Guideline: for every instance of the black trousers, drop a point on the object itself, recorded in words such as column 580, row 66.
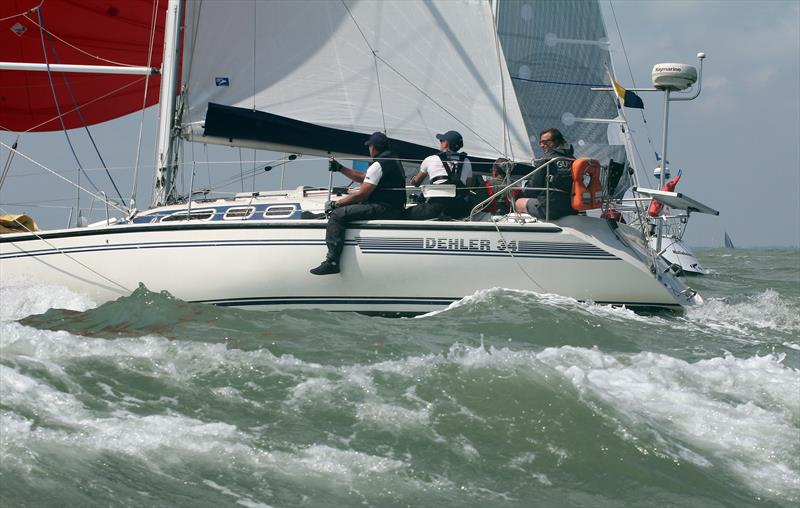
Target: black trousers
column 434, row 208
column 340, row 217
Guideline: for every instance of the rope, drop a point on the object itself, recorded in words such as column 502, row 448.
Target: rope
column 22, row 13
column 548, row 82
column 59, row 39
column 511, row 253
column 37, row 235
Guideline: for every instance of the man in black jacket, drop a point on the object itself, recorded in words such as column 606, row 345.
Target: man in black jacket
column 559, row 174
column 382, row 195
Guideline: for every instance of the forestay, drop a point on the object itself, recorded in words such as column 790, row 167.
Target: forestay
column 411, row 68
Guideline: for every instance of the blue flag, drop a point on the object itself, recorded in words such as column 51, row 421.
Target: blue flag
column 626, row 97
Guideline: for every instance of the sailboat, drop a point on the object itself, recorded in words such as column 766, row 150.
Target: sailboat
column 728, row 241
column 316, row 78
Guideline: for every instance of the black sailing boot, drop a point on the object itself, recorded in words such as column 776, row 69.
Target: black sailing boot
column 326, row 268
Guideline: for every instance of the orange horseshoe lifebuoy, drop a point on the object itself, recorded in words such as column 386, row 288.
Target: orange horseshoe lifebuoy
column 587, row 189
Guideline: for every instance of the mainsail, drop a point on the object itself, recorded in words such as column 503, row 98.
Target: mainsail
column 557, row 51
column 92, row 32
column 411, row 69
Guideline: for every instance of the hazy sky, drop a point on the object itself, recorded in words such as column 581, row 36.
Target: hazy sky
column 738, row 143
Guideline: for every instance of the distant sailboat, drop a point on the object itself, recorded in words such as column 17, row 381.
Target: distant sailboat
column 728, row 242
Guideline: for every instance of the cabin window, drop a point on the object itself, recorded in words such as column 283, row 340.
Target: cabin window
column 278, row 211
column 195, row 215
column 240, row 212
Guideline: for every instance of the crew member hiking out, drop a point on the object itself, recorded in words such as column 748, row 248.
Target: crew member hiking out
column 447, row 167
column 559, row 174
column 381, row 195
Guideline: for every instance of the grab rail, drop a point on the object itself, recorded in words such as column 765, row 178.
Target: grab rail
column 488, row 200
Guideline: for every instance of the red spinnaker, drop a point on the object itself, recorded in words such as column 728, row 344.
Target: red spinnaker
column 81, row 32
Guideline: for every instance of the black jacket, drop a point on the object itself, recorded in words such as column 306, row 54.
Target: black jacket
column 391, row 189
column 560, row 175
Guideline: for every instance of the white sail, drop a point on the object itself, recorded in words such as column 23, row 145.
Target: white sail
column 411, row 68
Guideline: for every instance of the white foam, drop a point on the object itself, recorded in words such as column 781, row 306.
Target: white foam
column 739, row 414
column 765, row 311
column 528, row 298
column 240, row 499
column 24, row 296
column 392, row 417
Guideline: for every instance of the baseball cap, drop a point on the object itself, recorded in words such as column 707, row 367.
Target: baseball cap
column 377, row 139
column 452, row 137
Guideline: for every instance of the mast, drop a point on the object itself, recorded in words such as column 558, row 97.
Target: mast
column 164, row 187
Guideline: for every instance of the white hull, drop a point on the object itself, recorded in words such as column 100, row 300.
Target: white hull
column 387, row 266
column 676, row 252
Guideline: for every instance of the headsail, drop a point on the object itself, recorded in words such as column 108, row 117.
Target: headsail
column 557, row 51
column 411, row 68
column 97, row 32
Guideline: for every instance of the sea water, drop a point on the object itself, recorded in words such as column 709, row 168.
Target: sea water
column 507, row 398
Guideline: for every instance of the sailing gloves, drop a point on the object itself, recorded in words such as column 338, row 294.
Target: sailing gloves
column 329, row 206
column 333, row 165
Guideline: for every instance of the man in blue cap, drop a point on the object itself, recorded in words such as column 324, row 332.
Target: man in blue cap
column 382, row 195
column 447, row 167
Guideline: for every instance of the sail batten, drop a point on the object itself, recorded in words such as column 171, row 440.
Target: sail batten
column 412, row 69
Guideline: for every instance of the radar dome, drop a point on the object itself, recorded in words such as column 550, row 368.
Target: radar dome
column 673, row 76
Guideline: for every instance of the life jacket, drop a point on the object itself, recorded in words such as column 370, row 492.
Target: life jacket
column 454, row 173
column 656, row 206
column 483, row 190
column 391, row 188
column 587, row 189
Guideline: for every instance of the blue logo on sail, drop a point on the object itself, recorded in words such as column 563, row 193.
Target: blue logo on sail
column 222, row 81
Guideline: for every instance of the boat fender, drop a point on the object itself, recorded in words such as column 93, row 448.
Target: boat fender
column 656, row 206
column 587, row 189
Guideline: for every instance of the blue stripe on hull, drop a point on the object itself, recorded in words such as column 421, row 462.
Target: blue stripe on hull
column 367, row 246
column 434, row 302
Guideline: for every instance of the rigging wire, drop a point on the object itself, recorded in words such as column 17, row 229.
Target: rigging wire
column 375, row 59
column 85, row 126
column 427, row 96
column 7, row 165
column 61, row 119
column 37, row 235
column 181, row 157
column 150, row 44
column 633, row 81
column 77, row 185
column 66, row 112
column 506, row 134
